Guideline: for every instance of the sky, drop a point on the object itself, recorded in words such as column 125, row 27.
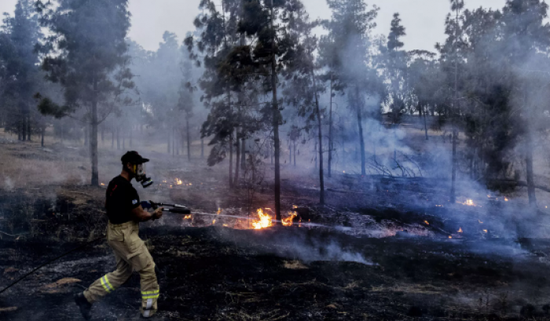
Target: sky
column 423, row 19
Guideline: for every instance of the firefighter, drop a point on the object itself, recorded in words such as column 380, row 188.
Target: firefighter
column 125, row 212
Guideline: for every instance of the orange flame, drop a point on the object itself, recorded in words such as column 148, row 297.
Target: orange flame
column 263, row 221
column 450, row 237
column 460, row 230
column 179, row 181
column 505, row 199
column 102, row 184
column 427, row 223
column 288, row 221
column 187, row 217
column 469, row 203
column 485, row 231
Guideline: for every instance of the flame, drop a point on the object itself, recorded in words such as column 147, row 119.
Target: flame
column 213, row 222
column 179, row 181
column 263, row 221
column 294, row 207
column 505, row 199
column 170, row 186
column 102, row 184
column 187, row 217
column 427, row 223
column 460, row 230
column 469, row 203
column 450, row 237
column 219, row 211
column 480, row 222
column 288, row 221
column 225, row 225
column 485, row 231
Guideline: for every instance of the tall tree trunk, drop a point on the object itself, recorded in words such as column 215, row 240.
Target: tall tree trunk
column 102, row 134
column 330, row 138
column 168, row 150
column 453, row 166
column 276, row 120
column 294, row 154
column 29, row 126
column 93, row 141
column 238, row 154
column 231, row 159
column 320, row 138
column 118, row 138
column 360, row 126
column 530, row 175
column 243, row 154
column 188, row 139
column 202, row 148
column 43, row 133
column 87, row 133
column 425, row 122
column 289, row 152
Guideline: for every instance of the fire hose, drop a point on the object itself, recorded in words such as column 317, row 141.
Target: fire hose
column 170, row 208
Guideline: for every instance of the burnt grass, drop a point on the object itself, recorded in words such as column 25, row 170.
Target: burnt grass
column 280, row 273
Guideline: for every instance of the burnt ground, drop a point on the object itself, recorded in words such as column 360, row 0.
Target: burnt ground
column 381, row 249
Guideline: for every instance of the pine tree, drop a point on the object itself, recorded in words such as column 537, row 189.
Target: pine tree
column 86, row 54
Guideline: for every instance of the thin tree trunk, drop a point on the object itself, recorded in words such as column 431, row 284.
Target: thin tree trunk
column 425, row 123
column 118, row 138
column 29, row 124
column 276, row 120
column 168, row 141
column 43, row 133
column 93, row 141
column 294, row 154
column 530, row 175
column 188, row 140
column 361, row 138
column 320, row 137
column 243, row 154
column 330, row 141
column 231, row 159
column 453, row 175
column 202, row 148
column 238, row 152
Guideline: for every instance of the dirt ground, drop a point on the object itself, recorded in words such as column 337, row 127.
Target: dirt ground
column 381, row 249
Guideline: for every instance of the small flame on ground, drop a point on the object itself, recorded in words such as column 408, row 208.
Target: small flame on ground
column 460, row 230
column 427, row 223
column 225, row 225
column 263, row 221
column 485, row 231
column 480, row 222
column 187, row 217
column 179, row 181
column 450, row 237
column 469, row 203
column 505, row 199
column 213, row 222
column 102, row 184
column 288, row 221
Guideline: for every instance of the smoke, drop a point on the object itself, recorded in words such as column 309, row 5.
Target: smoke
column 8, row 184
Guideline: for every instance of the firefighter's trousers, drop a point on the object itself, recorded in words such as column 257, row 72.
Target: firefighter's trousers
column 131, row 254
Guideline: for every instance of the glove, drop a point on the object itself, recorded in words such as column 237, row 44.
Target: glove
column 158, row 213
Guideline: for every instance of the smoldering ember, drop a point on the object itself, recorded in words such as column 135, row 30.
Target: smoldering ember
column 272, row 165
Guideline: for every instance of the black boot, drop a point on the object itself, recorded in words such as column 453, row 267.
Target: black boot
column 84, row 305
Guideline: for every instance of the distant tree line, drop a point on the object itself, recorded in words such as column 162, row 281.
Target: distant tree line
column 260, row 70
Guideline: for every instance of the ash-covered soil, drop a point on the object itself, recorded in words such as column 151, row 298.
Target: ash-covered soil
column 285, row 273
column 381, row 249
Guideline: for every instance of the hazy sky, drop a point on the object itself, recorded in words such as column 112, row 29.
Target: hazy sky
column 423, row 19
